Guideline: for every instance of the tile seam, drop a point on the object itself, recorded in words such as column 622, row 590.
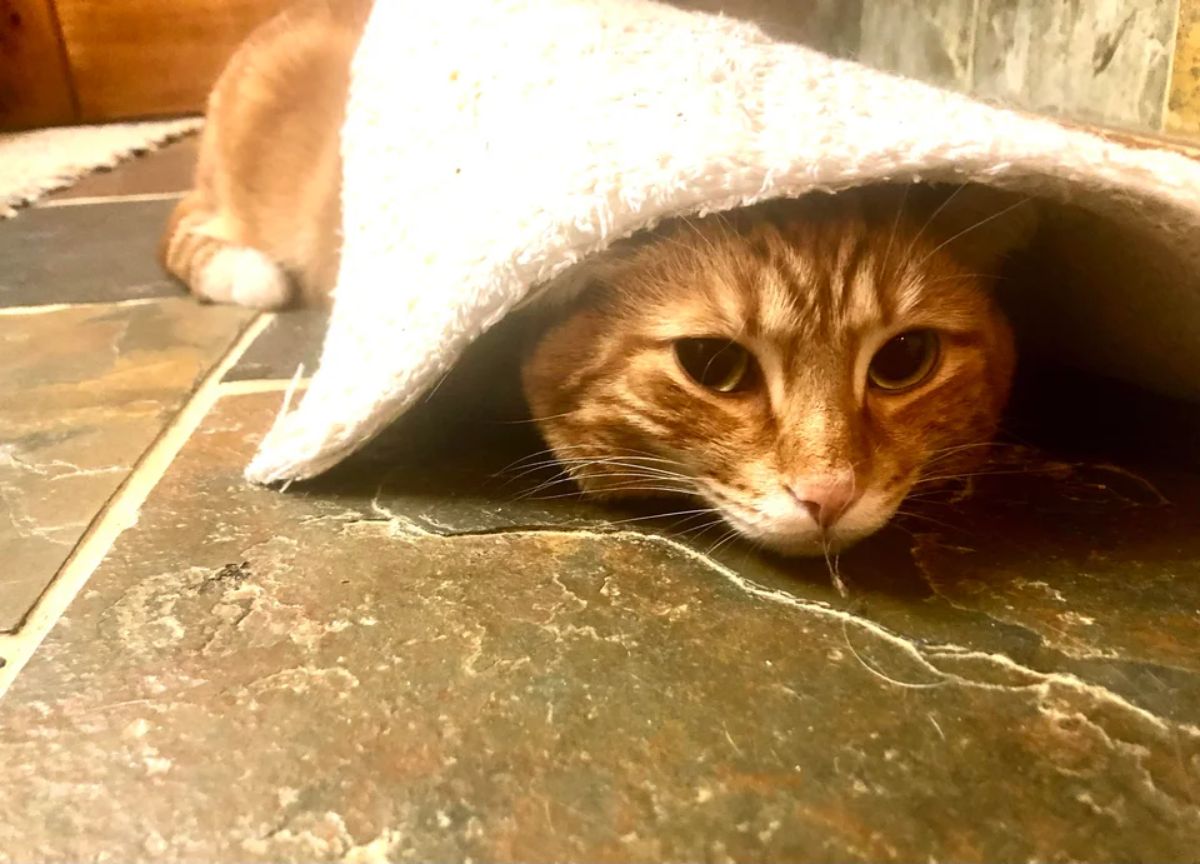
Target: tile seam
column 120, row 512
column 251, row 386
column 88, row 200
column 47, row 308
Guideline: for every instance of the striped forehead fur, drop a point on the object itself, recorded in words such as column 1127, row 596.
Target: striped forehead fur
column 765, row 277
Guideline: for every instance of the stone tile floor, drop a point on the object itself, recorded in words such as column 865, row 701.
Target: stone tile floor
column 414, row 657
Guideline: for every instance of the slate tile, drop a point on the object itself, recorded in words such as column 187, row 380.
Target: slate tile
column 93, row 253
column 293, row 339
column 83, row 393
column 931, row 40
column 327, row 674
column 1103, row 62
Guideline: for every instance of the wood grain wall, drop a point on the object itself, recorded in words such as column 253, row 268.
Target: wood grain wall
column 35, row 81
column 71, row 61
column 143, row 57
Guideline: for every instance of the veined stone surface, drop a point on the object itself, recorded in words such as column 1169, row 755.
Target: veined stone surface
column 335, row 673
column 112, row 254
column 84, row 392
column 932, row 40
column 1097, row 60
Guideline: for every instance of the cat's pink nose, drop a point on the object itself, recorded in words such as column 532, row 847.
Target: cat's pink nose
column 825, row 498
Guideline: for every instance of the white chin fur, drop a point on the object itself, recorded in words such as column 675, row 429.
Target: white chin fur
column 810, row 546
column 798, row 536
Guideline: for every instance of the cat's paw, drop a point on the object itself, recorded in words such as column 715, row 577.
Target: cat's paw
column 245, row 276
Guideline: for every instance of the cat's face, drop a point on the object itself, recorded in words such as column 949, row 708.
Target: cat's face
column 798, row 368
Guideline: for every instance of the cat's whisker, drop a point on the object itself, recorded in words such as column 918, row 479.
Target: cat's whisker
column 887, row 255
column 932, row 218
column 646, row 461
column 574, row 472
column 628, row 490
column 677, row 530
column 564, row 449
column 699, row 234
column 1026, row 472
column 944, row 451
column 954, row 277
column 509, row 479
column 629, row 475
column 516, row 463
column 575, row 465
column 998, row 215
column 691, row 514
column 704, row 526
column 996, row 453
column 577, row 478
column 527, row 420
column 631, row 483
column 549, row 484
column 630, row 455
column 724, row 540
column 832, row 565
column 909, row 514
column 428, row 397
column 548, row 455
column 618, row 472
column 593, row 471
column 930, row 497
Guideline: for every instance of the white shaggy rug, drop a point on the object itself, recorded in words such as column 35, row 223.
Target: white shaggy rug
column 37, row 162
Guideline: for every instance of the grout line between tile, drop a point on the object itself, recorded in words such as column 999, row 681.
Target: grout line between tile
column 120, row 513
column 85, row 200
column 85, row 304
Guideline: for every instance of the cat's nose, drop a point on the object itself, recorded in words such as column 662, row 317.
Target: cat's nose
column 825, row 498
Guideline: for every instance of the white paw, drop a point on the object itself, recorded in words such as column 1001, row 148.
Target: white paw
column 247, row 277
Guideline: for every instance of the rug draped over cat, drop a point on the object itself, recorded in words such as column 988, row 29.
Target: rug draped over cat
column 489, row 146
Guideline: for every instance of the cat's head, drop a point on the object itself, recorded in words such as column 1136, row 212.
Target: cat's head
column 800, row 367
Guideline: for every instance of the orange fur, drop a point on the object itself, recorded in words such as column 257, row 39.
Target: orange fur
column 263, row 222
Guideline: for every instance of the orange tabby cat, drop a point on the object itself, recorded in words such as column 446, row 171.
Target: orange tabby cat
column 799, row 367
column 265, row 219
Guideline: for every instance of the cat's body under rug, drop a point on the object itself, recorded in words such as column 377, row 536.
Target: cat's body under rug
column 798, row 368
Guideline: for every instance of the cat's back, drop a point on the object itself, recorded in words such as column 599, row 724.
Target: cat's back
column 269, row 173
column 277, row 112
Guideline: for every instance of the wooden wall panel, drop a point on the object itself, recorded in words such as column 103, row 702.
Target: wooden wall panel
column 35, row 84
column 1183, row 111
column 136, row 58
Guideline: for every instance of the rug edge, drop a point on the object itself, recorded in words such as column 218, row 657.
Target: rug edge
column 154, row 134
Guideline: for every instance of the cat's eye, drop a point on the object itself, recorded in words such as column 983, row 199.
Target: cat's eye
column 904, row 361
column 717, row 364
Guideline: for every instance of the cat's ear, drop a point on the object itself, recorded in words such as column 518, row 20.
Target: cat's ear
column 981, row 226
